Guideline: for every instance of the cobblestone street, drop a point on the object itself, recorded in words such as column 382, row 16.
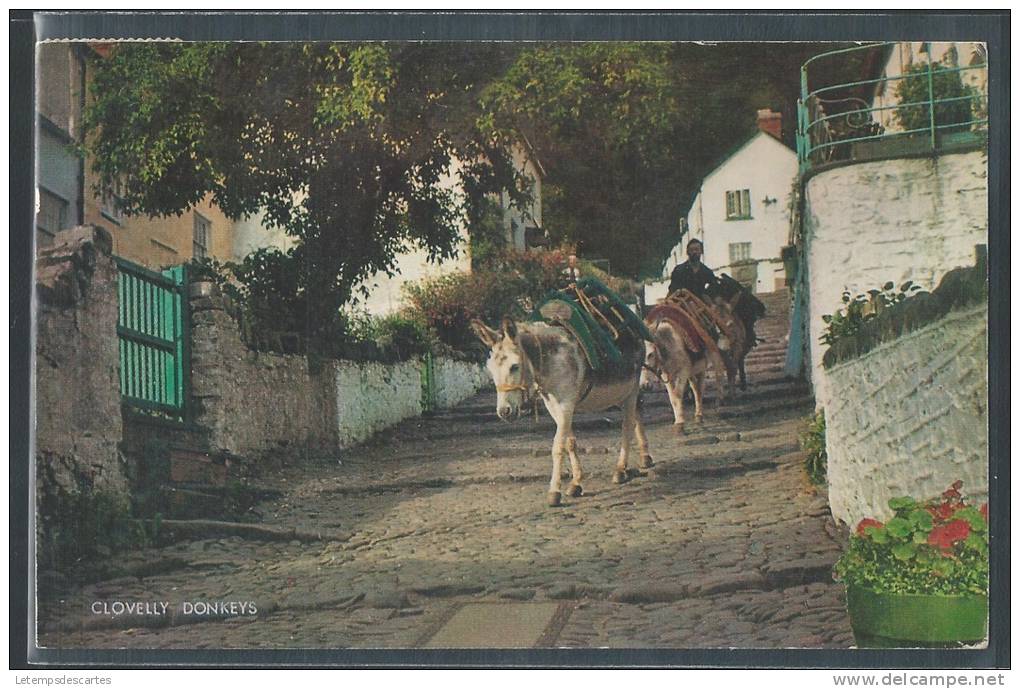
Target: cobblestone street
column 437, row 534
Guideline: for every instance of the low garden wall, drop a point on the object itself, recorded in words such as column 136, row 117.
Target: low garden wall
column 909, row 417
column 257, row 403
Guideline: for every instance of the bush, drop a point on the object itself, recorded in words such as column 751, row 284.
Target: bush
column 402, row 335
column 512, row 283
column 946, row 84
column 812, row 441
column 858, row 310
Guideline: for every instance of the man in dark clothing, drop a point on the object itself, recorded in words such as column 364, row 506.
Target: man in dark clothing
column 692, row 274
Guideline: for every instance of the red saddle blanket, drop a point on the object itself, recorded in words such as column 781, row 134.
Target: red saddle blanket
column 694, row 336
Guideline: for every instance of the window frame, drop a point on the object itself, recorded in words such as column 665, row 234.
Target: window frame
column 64, row 215
column 736, row 259
column 200, row 220
column 738, row 204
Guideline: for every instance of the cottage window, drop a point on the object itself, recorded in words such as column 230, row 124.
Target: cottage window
column 740, row 251
column 111, row 208
column 738, row 204
column 203, row 234
column 51, row 216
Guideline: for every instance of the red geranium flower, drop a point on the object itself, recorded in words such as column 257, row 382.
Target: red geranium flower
column 944, row 511
column 944, row 537
column 866, row 523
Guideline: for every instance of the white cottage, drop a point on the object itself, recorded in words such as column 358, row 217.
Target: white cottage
column 741, row 211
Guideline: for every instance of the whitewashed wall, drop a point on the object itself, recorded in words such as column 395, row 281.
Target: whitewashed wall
column 255, row 403
column 458, row 380
column 909, row 418
column 898, row 220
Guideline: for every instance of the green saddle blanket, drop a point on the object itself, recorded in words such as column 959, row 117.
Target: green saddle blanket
column 600, row 334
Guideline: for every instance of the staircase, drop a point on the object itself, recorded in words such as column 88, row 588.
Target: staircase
column 768, row 359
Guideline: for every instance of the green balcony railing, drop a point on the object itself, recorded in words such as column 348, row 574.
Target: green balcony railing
column 930, row 106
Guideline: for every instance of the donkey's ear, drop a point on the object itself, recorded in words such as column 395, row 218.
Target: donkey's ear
column 509, row 327
column 487, row 335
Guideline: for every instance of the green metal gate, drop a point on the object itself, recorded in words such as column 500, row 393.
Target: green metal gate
column 429, row 392
column 152, row 332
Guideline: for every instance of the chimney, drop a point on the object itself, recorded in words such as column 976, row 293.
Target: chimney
column 771, row 122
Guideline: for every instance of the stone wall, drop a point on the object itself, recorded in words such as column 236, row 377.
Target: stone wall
column 78, row 424
column 255, row 403
column 458, row 380
column 371, row 396
column 909, row 418
column 904, row 219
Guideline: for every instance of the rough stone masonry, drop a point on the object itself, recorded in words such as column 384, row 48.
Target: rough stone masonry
column 78, row 420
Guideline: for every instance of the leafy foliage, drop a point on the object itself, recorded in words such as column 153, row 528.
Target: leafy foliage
column 859, row 309
column 512, row 283
column 344, row 145
column 812, row 441
column 946, row 85
column 626, row 131
column 936, row 546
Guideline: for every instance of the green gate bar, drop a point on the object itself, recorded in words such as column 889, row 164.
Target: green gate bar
column 153, row 339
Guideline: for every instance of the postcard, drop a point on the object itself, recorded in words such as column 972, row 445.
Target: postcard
column 545, row 345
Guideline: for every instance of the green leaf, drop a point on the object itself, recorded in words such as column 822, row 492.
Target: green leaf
column 972, row 517
column 922, row 520
column 877, row 535
column 903, row 551
column 975, row 542
column 898, row 504
column 899, row 527
column 920, row 537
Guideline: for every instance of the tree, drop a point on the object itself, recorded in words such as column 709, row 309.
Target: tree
column 344, row 145
column 628, row 130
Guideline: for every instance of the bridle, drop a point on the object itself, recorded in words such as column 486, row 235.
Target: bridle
column 527, row 371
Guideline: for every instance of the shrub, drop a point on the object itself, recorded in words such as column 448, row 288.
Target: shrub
column 812, row 441
column 938, row 546
column 512, row 284
column 858, row 310
column 401, row 334
column 946, row 84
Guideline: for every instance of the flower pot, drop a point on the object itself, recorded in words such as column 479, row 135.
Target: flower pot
column 904, row 620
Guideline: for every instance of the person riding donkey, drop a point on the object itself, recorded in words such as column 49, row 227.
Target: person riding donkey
column 692, row 274
column 699, row 280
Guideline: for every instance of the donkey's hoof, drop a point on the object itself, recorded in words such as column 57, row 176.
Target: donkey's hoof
column 679, row 428
column 555, row 498
column 633, row 473
column 646, row 462
column 575, row 490
column 699, row 419
column 620, row 477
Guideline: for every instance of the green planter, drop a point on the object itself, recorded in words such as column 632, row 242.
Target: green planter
column 905, row 620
